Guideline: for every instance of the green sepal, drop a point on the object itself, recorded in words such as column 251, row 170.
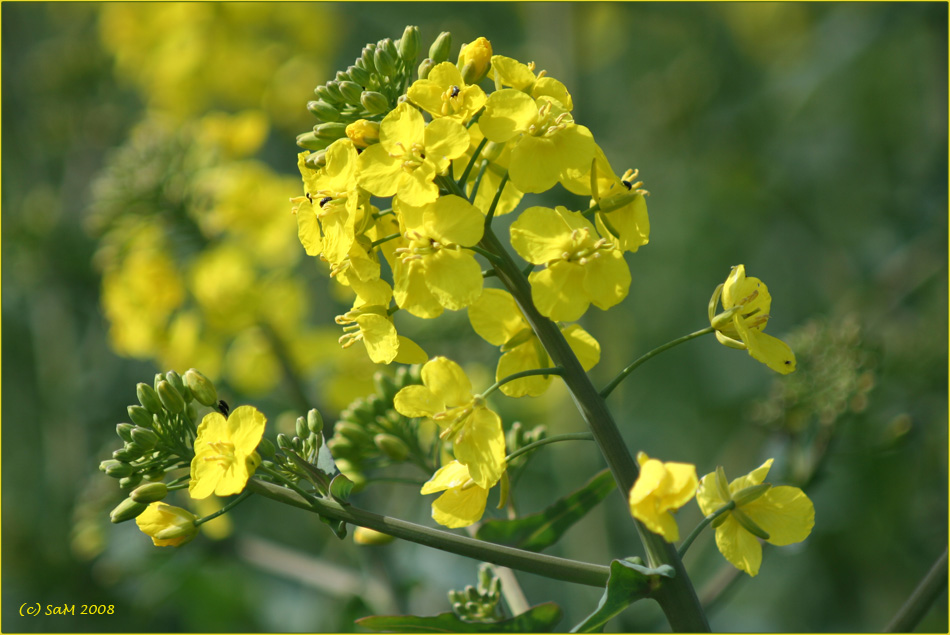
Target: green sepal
column 541, row 530
column 628, row 582
column 751, row 493
column 538, row 619
column 722, row 484
column 749, row 525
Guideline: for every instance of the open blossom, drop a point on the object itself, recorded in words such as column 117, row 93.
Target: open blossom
column 779, row 515
column 750, row 302
column 580, row 267
column 225, row 452
column 369, row 322
column 463, row 501
column 661, row 489
column 496, row 317
column 410, row 154
column 474, row 429
column 445, row 94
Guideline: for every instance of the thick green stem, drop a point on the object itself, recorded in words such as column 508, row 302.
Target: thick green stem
column 676, row 596
column 656, row 351
column 539, row 564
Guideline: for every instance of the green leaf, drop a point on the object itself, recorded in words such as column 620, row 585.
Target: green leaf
column 340, row 488
column 538, row 619
column 539, row 531
column 628, row 582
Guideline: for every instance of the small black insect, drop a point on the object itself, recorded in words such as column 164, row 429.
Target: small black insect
column 325, row 200
column 224, row 407
column 455, row 91
column 627, row 184
column 309, row 198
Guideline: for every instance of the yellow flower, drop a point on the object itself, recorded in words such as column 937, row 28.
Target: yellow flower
column 445, row 94
column 225, row 452
column 580, row 267
column 510, row 72
column 369, row 321
column 496, row 317
column 166, row 525
column 446, row 398
column 660, row 489
column 410, row 154
column 433, row 270
column 463, row 502
column 746, row 303
column 779, row 515
column 548, row 145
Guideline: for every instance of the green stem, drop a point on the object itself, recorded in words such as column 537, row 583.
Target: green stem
column 478, row 181
column 676, row 596
column 570, row 436
column 471, row 164
column 385, row 239
column 590, row 211
column 489, row 256
column 494, row 202
column 656, row 351
column 921, row 599
column 703, row 524
column 224, row 510
column 557, row 370
column 539, row 564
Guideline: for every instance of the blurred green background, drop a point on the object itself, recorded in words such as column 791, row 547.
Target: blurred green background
column 807, row 141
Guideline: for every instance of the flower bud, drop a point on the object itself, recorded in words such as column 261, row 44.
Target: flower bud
column 410, row 44
column 144, row 438
column 128, row 482
column 168, row 526
column 283, row 441
column 124, row 430
column 126, row 510
column 316, row 160
column 149, row 493
column 309, row 141
column 315, row 421
column 439, row 51
column 330, row 131
column 354, row 432
column 334, row 96
column 324, row 94
column 178, row 384
column 140, row 417
column 116, row 469
column 172, row 399
column 301, row 428
column 201, row 387
column 360, row 75
column 123, row 454
column 375, row 103
column 385, row 64
column 368, row 58
column 366, row 536
column 392, row 446
column 475, row 60
column 148, row 398
column 323, row 111
column 351, row 92
column 424, row 67
column 266, row 449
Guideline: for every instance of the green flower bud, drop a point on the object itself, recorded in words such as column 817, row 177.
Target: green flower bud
column 392, row 446
column 148, row 398
column 266, row 449
column 330, row 131
column 389, row 46
column 149, row 493
column 351, row 92
column 375, row 103
column 130, row 481
column 144, row 438
column 172, row 399
column 368, row 57
column 283, row 441
column 124, row 430
column 323, row 110
column 125, row 455
column 178, row 384
column 301, row 428
column 341, row 76
column 354, row 432
column 334, row 96
column 134, row 449
column 315, row 421
column 116, row 469
column 316, row 160
column 360, row 75
column 140, row 416
column 322, row 93
column 439, row 51
column 126, row 510
column 424, row 67
column 410, row 44
column 384, row 61
column 309, row 141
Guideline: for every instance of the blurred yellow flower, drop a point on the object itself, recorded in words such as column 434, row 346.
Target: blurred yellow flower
column 661, row 489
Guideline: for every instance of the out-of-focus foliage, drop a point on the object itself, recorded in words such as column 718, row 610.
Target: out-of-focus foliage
column 808, row 141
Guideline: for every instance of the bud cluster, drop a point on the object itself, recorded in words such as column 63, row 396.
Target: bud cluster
column 370, row 433
column 479, row 604
column 160, row 438
column 368, row 89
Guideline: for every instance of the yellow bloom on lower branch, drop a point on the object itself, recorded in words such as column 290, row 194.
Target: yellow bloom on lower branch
column 463, row 502
column 779, row 515
column 660, row 489
column 225, row 452
column 166, row 525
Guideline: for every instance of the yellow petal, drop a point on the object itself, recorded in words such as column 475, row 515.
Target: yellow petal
column 585, row 347
column 755, row 477
column 607, row 279
column 403, row 125
column 445, row 139
column 707, row 496
column 454, row 277
column 450, row 475
column 379, row 172
column 555, row 291
column 379, row 336
column 417, row 401
column 540, row 234
column 410, row 352
column 246, row 427
column 460, row 507
column 481, row 447
column 447, row 381
column 507, row 113
column 308, row 229
column 786, row 513
column 769, row 350
column 739, row 547
column 496, row 317
column 520, row 358
column 536, row 164
column 454, row 220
